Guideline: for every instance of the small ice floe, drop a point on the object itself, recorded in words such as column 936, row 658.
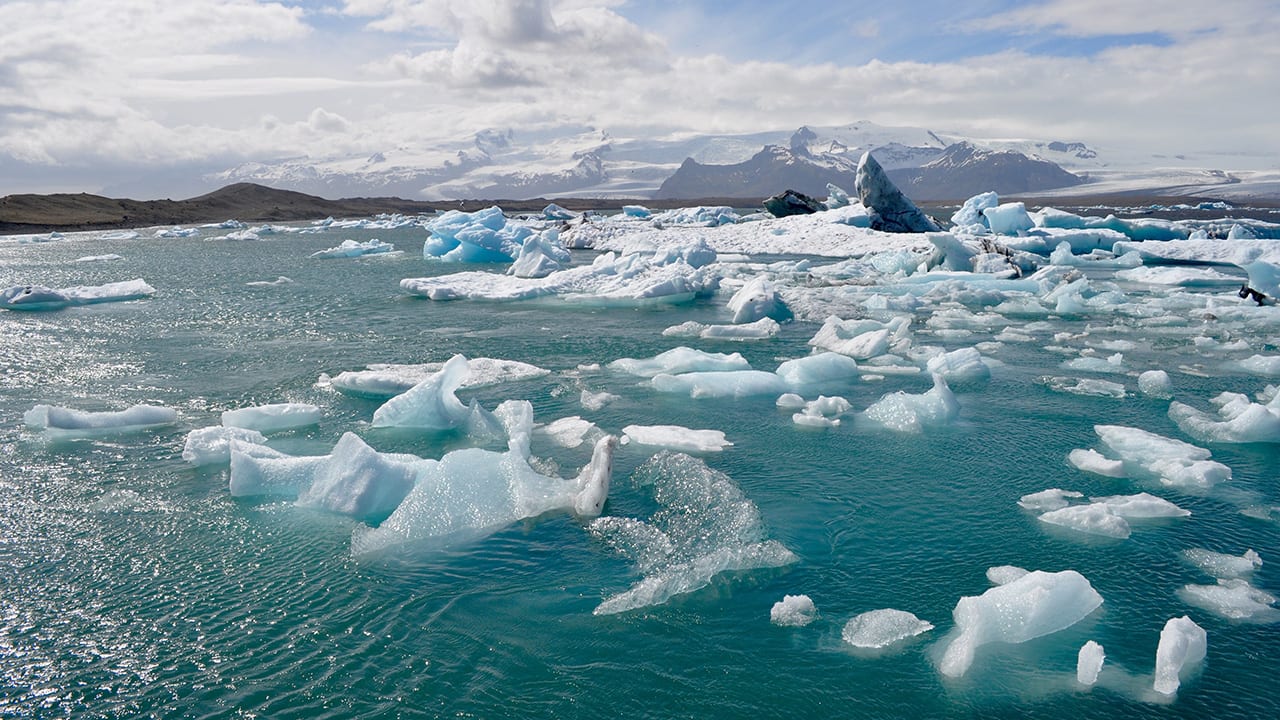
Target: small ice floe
column 818, row 370
column 432, row 405
column 1036, row 604
column 1090, row 387
column 721, row 384
column 960, row 366
column 353, row 248
column 1222, row 565
column 680, row 360
column 823, row 412
column 793, row 611
column 1089, row 663
column 1181, row 649
column 1238, row 420
column 1051, row 499
column 98, row 258
column 1093, row 519
column 1004, row 574
column 1147, row 456
column 382, row 381
column 1156, row 384
column 569, row 432
column 674, row 437
column 906, row 412
column 277, row 417
column 280, row 280
column 1234, row 599
column 879, row 629
column 212, row 445
column 59, row 423
column 761, row 329
column 39, row 297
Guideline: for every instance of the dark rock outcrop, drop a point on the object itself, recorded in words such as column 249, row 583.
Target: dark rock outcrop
column 771, row 168
column 891, row 211
column 791, row 202
column 965, row 170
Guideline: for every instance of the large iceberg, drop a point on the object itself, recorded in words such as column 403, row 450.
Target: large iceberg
column 1036, row 604
column 482, row 236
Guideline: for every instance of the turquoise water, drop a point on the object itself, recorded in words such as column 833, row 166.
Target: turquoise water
column 133, row 585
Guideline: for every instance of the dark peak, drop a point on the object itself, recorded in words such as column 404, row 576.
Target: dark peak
column 491, row 140
column 1079, row 149
column 800, row 140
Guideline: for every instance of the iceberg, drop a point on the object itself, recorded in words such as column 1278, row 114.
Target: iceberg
column 721, row 384
column 1233, row 600
column 906, row 412
column 1036, row 604
column 1093, row 519
column 819, row 369
column 793, row 611
column 39, row 297
column 352, row 248
column 1182, row 647
column 680, row 360
column 1238, row 420
column 540, row 255
column 970, row 217
column 274, row 418
column 484, row 236
column 472, row 493
column 1089, row 663
column 756, row 300
column 879, row 629
column 59, row 423
column 674, row 437
column 1008, row 218
column 704, row 526
column 212, row 445
column 960, row 366
column 382, row 381
column 1148, row 456
column 432, row 404
column 823, row 412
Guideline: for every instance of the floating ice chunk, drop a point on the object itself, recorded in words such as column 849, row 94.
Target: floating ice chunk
column 1178, row 276
column 759, row 330
column 793, row 611
column 360, row 482
column 554, row 212
column 273, row 418
column 595, row 400
column 280, row 280
column 1111, row 364
column 482, row 236
column 1142, row 505
column 758, row 299
column 1222, row 565
column 674, row 437
column 98, row 258
column 1051, row 499
column 432, row 405
column 1182, row 647
column 861, row 339
column 1264, row 365
column 704, row 526
column 963, row 365
column 38, row 297
column 881, row 628
column 59, row 423
column 817, row 369
column 1172, row 462
column 721, row 384
column 1094, row 462
column 472, row 493
column 353, row 248
column 212, row 445
column 790, row 401
column 33, row 297
column 1038, row 603
column 680, row 360
column 1008, row 218
column 1155, row 383
column 1264, row 281
column 1238, row 421
column 636, row 211
column 906, row 412
column 568, row 432
column 540, row 255
column 971, row 212
column 1233, row 600
column 1089, row 387
column 1004, row 574
column 1094, row 519
column 383, row 381
column 1089, row 663
column 951, row 253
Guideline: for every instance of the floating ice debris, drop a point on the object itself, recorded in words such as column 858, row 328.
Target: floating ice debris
column 862, row 339
column 277, row 417
column 38, row 297
column 1142, row 505
column 212, row 445
column 1051, row 499
column 383, row 381
column 721, row 384
column 482, row 236
column 1222, row 565
column 1038, row 603
column 674, row 437
column 890, row 210
column 1008, row 218
column 568, row 432
column 352, row 248
column 819, row 369
column 1182, row 647
column 1089, row 663
column 1093, row 519
column 704, row 526
column 970, row 217
column 1178, row 276
column 758, row 299
column 790, row 401
column 1155, row 383
column 595, row 400
column 120, row 235
column 1089, row 387
column 280, row 280
column 1148, row 456
column 680, row 360
column 700, row 216
column 176, row 232
column 1264, row 365
column 554, row 212
column 1234, row 600
column 959, row 366
column 906, row 412
column 1089, row 363
column 879, row 629
column 472, row 493
column 793, row 611
column 1094, row 462
column 823, row 412
column 432, row 405
column 98, row 258
column 1004, row 574
column 540, row 255
column 59, row 423
column 636, row 211
column 1238, row 420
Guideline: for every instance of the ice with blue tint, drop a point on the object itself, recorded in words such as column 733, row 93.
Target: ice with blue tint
column 1008, row 218
column 1092, row 519
column 554, row 212
column 39, row 297
column 1182, row 647
column 636, row 211
column 432, row 405
column 1036, row 604
column 701, row 216
column 793, row 611
column 677, row 438
column 1233, row 599
column 212, row 445
column 915, row 412
column 970, row 216
column 960, row 366
column 60, row 423
column 1147, row 456
column 354, row 248
column 863, row 339
column 721, row 383
column 277, row 417
column 479, row 237
column 540, row 255
column 1224, row 566
column 878, row 629
column 680, row 360
column 1238, row 420
column 704, row 526
column 472, row 493
column 758, row 299
column 820, row 369
column 384, row 380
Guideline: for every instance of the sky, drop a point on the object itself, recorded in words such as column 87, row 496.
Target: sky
column 153, row 94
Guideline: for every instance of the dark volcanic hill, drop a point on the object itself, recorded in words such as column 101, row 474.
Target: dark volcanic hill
column 769, row 171
column 965, row 170
column 246, row 202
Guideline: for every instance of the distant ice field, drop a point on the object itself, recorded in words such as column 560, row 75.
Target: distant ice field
column 136, row 584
